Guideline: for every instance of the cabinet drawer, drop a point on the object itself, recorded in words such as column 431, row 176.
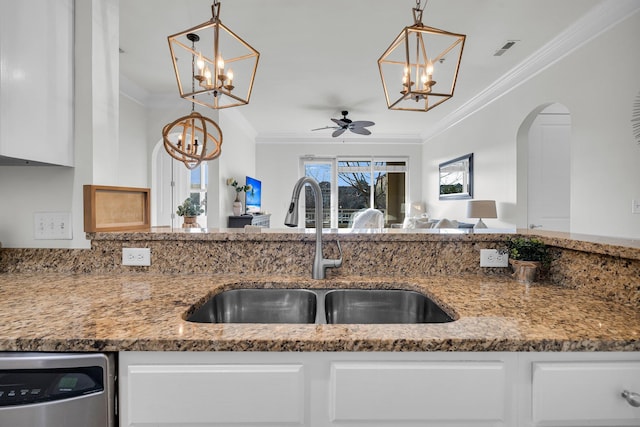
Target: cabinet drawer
column 421, row 391
column 584, row 393
column 206, row 395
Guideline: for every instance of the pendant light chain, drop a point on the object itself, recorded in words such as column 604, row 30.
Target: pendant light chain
column 215, row 11
column 417, row 12
column 193, row 73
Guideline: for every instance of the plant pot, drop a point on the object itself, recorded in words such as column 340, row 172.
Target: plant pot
column 525, row 271
column 190, row 222
column 237, row 206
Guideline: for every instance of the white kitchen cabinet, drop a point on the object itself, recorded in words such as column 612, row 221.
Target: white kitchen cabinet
column 382, row 389
column 214, row 394
column 170, row 389
column 577, row 389
column 36, row 81
column 465, row 392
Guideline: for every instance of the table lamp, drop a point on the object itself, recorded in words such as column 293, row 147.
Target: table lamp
column 481, row 209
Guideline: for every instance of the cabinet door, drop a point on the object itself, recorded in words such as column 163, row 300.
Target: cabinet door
column 36, row 80
column 465, row 393
column 213, row 395
column 584, row 393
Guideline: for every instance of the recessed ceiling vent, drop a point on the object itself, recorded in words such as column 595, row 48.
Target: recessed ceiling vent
column 508, row 45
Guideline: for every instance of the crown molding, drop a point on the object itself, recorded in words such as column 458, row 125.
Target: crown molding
column 595, row 22
column 132, row 90
column 302, row 137
column 235, row 116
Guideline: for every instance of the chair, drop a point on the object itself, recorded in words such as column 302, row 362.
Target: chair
column 446, row 223
column 368, row 218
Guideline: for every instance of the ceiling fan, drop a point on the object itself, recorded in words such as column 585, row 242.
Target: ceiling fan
column 343, row 124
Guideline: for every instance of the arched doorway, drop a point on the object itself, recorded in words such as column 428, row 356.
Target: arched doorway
column 544, row 169
column 171, row 184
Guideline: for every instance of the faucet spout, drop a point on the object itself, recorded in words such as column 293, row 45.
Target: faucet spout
column 320, row 264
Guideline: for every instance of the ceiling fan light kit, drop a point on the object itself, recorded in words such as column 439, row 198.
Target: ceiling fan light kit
column 420, row 68
column 222, row 63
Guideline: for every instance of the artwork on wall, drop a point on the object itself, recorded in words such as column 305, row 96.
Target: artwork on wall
column 456, row 178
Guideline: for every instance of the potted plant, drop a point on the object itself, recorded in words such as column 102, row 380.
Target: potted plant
column 237, row 204
column 528, row 256
column 190, row 209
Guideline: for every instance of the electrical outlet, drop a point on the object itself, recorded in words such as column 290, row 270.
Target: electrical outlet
column 493, row 258
column 136, row 256
column 52, row 226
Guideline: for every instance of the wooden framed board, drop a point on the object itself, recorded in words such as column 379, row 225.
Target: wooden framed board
column 108, row 208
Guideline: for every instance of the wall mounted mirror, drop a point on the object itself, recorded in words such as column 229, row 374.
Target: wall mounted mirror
column 456, row 178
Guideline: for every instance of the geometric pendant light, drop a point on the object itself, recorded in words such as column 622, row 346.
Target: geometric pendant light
column 225, row 65
column 192, row 139
column 189, row 139
column 420, row 68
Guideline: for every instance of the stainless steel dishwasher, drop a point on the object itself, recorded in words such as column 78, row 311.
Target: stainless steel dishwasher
column 57, row 390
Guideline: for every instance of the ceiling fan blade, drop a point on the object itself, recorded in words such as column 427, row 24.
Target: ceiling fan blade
column 327, row 127
column 362, row 123
column 340, row 123
column 337, row 132
column 361, row 131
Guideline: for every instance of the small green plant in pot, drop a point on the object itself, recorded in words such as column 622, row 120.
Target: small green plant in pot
column 528, row 256
column 190, row 209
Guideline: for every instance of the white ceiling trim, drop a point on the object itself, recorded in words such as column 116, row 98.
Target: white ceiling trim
column 302, row 138
column 239, row 119
column 601, row 18
column 132, row 91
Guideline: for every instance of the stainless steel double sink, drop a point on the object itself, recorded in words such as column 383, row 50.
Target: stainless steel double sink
column 332, row 306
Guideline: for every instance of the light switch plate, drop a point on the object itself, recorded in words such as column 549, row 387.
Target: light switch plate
column 136, row 256
column 52, row 226
column 493, row 258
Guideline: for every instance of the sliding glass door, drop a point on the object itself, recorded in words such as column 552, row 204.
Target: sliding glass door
column 352, row 184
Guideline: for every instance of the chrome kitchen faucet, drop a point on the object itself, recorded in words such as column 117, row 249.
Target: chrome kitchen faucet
column 291, row 220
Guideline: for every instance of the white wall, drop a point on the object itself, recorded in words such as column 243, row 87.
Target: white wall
column 238, row 159
column 25, row 190
column 597, row 83
column 97, row 40
column 133, row 153
column 278, row 168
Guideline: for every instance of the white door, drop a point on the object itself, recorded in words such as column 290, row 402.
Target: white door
column 170, row 186
column 549, row 158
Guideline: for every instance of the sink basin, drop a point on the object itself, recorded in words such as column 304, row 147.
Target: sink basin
column 258, row 306
column 373, row 306
column 381, row 306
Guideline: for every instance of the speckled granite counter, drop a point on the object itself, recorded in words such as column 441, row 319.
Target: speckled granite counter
column 144, row 311
column 603, row 267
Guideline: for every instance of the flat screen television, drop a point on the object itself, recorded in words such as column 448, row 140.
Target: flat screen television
column 253, row 200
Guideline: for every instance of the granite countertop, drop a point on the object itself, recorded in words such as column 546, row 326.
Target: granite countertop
column 122, row 312
column 619, row 247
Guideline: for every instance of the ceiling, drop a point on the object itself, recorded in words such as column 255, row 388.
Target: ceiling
column 319, row 57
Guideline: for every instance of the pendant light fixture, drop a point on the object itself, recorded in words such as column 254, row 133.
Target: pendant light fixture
column 188, row 139
column 420, row 68
column 225, row 64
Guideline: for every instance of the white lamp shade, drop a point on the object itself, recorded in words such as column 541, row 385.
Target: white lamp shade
column 482, row 209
